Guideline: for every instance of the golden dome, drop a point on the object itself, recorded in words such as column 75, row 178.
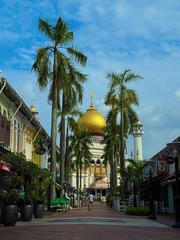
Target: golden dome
column 92, row 120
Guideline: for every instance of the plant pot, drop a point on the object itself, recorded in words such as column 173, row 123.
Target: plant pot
column 38, row 210
column 26, row 212
column 9, row 215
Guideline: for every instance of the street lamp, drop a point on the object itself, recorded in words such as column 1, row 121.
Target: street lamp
column 175, row 147
column 151, row 199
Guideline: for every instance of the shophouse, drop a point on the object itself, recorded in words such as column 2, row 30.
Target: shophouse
column 163, row 177
column 20, row 128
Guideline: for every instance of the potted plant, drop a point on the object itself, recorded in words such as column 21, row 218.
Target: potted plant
column 40, row 191
column 9, row 210
column 38, row 206
column 25, row 207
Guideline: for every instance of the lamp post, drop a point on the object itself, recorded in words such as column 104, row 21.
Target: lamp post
column 175, row 147
column 151, row 199
column 49, row 198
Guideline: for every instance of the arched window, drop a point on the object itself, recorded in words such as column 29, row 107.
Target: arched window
column 4, row 112
column 98, row 162
column 15, row 124
column 92, row 161
column 19, row 128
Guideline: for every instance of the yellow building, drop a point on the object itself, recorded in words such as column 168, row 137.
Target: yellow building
column 20, row 128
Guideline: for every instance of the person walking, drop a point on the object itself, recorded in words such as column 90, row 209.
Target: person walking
column 103, row 199
column 90, row 200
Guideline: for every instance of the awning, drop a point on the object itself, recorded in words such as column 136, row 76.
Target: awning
column 99, row 184
column 3, row 167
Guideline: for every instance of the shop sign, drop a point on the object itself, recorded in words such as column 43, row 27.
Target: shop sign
column 161, row 166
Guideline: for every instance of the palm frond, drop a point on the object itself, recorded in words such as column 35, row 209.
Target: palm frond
column 131, row 77
column 42, row 66
column 46, row 28
column 132, row 97
column 77, row 56
column 62, row 35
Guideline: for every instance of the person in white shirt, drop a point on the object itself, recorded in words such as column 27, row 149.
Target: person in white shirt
column 103, row 199
column 90, row 200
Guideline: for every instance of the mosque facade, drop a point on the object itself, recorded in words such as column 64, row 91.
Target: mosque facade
column 97, row 176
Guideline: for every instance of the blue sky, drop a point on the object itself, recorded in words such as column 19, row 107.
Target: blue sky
column 140, row 35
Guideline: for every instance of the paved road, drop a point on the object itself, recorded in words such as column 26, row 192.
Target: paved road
column 101, row 222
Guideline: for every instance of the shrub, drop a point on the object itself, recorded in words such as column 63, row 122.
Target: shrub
column 141, row 211
column 58, row 201
column 9, row 197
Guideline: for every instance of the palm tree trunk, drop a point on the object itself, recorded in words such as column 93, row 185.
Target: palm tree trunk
column 115, row 169
column 122, row 139
column 80, row 178
column 77, row 178
column 67, row 167
column 62, row 145
column 122, row 149
column 113, row 150
column 54, row 131
column 112, row 173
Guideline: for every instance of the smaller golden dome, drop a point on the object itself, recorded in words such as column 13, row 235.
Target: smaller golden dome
column 33, row 109
column 92, row 120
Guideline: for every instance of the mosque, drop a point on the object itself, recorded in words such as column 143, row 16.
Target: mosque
column 97, row 176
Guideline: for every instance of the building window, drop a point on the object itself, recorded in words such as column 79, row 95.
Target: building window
column 98, row 162
column 92, row 161
column 4, row 112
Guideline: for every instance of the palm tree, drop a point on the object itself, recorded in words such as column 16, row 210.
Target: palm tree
column 71, row 125
column 85, row 160
column 134, row 174
column 130, row 117
column 111, row 141
column 72, row 95
column 80, row 143
column 51, row 65
column 125, row 97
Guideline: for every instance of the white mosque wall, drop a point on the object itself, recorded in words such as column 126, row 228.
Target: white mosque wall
column 97, row 151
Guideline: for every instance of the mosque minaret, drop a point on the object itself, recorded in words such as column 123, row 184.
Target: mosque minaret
column 138, row 133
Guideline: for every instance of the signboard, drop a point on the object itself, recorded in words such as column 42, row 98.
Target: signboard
column 170, row 160
column 160, row 166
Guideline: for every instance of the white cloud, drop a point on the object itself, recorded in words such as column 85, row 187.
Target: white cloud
column 157, row 118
